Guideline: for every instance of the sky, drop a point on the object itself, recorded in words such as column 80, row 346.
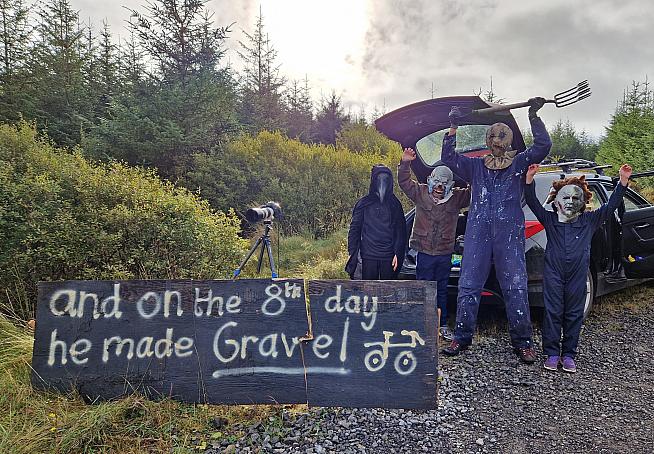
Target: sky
column 379, row 55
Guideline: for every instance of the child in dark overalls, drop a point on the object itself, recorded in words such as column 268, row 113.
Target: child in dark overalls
column 569, row 232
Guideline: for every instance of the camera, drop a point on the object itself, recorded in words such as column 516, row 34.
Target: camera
column 265, row 213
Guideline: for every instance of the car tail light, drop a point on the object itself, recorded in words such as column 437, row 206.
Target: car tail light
column 484, row 293
column 532, row 228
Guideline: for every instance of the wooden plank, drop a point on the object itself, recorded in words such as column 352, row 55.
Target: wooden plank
column 240, row 342
column 383, row 337
column 110, row 338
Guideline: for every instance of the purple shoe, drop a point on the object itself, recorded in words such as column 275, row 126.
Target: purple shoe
column 552, row 362
column 569, row 364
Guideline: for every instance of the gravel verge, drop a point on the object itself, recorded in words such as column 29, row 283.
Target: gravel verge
column 489, row 402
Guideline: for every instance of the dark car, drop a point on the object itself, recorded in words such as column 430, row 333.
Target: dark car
column 622, row 251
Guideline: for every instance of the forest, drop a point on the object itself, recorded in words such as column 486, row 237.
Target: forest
column 136, row 158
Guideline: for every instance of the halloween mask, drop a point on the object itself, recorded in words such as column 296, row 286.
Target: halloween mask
column 499, row 138
column 570, row 202
column 440, row 183
column 383, row 184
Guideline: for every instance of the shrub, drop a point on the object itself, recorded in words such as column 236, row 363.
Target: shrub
column 62, row 217
column 317, row 185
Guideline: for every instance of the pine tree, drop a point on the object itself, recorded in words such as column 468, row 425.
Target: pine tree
column 567, row 143
column 261, row 84
column 179, row 35
column 299, row 111
column 330, row 119
column 630, row 135
column 175, row 100
column 57, row 69
column 14, row 74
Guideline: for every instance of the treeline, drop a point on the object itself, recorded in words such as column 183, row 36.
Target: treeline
column 161, row 95
column 166, row 98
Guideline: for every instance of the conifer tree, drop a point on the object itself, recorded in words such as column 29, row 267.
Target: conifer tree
column 57, row 70
column 299, row 111
column 14, row 76
column 630, row 135
column 261, row 84
column 330, row 119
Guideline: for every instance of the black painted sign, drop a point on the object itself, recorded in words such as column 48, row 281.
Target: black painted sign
column 353, row 343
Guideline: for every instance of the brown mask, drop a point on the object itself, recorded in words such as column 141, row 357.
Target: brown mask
column 499, row 138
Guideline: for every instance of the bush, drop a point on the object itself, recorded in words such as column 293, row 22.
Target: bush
column 317, row 185
column 62, row 217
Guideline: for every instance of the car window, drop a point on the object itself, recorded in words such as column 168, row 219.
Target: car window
column 632, row 201
column 468, row 138
column 596, row 200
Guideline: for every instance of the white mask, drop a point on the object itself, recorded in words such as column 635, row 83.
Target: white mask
column 569, row 202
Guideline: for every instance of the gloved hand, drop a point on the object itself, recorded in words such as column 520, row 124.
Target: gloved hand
column 455, row 116
column 534, row 105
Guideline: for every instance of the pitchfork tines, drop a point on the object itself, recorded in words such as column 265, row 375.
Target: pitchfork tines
column 565, row 98
column 572, row 95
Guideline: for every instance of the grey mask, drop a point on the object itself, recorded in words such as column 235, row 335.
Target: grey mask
column 440, row 183
column 569, row 202
column 383, row 185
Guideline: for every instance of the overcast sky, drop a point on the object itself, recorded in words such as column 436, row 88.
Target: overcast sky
column 389, row 53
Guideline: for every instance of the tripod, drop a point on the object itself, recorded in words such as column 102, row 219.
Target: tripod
column 264, row 241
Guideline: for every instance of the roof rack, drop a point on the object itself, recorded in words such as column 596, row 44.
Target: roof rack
column 578, row 164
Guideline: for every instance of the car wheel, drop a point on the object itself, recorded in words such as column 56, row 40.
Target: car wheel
column 590, row 293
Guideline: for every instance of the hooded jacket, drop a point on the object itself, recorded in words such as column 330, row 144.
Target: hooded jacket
column 377, row 230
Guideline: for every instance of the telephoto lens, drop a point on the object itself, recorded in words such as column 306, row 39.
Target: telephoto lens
column 267, row 212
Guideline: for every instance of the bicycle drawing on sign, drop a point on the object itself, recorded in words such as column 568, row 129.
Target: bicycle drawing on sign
column 405, row 361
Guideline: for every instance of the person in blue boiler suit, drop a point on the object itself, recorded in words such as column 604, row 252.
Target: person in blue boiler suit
column 495, row 232
column 569, row 230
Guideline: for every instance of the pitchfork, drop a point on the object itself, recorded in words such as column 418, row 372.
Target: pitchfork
column 565, row 98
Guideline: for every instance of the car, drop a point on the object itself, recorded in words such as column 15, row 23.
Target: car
column 622, row 249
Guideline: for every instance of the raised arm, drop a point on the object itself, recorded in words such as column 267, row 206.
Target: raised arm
column 461, row 165
column 530, row 195
column 408, row 186
column 603, row 212
column 463, row 197
column 542, row 142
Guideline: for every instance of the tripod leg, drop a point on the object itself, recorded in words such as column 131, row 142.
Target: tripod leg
column 261, row 255
column 273, row 271
column 237, row 271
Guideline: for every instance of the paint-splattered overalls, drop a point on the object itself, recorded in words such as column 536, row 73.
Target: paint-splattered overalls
column 495, row 234
column 567, row 257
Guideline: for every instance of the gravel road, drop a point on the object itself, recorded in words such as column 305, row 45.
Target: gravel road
column 489, row 402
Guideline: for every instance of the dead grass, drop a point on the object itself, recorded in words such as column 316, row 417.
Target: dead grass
column 638, row 300
column 41, row 422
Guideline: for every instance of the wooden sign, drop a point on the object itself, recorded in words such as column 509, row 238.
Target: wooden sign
column 386, row 340
column 240, row 342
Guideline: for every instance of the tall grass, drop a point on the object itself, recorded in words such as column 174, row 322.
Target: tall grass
column 41, row 422
column 302, row 256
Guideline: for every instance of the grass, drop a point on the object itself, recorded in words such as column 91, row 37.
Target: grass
column 302, row 256
column 41, row 422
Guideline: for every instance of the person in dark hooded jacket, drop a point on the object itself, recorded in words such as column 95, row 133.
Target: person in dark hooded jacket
column 378, row 230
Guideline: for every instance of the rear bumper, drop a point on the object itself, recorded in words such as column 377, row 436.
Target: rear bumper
column 491, row 292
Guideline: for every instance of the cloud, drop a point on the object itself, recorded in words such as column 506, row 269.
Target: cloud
column 399, row 49
column 529, row 48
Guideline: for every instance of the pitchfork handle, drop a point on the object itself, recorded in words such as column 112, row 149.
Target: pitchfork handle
column 504, row 107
